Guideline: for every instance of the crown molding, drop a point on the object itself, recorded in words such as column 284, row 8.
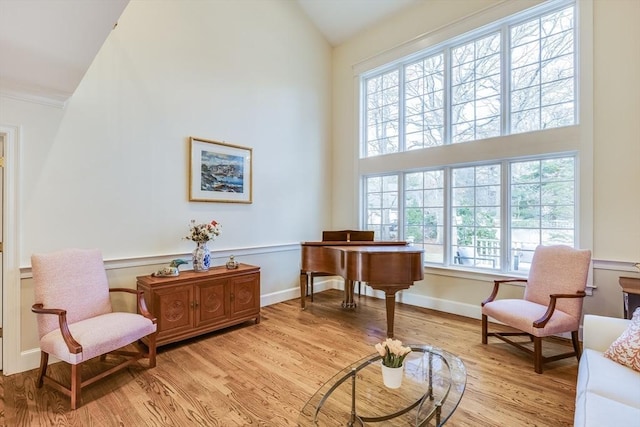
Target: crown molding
column 43, row 98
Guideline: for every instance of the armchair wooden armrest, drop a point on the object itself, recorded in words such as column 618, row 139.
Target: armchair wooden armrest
column 541, row 322
column 73, row 345
column 142, row 305
column 496, row 287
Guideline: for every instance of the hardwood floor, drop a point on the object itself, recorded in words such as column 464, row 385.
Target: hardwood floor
column 263, row 374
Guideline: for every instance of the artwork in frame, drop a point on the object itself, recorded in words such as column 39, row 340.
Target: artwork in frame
column 219, row 172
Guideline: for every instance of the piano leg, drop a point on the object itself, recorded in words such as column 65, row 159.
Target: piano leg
column 303, row 288
column 348, row 294
column 310, row 284
column 390, row 300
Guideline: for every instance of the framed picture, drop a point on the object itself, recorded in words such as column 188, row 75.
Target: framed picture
column 219, row 172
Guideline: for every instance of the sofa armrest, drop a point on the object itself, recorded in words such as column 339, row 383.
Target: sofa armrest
column 599, row 332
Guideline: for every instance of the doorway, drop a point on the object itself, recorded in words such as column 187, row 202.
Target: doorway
column 2, row 143
column 11, row 360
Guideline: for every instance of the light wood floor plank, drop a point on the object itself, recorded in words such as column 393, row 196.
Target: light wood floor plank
column 262, row 375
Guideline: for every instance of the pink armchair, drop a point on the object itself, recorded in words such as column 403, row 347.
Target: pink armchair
column 552, row 302
column 76, row 321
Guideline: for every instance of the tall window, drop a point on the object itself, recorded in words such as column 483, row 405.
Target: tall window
column 466, row 208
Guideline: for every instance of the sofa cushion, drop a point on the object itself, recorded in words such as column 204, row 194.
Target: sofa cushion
column 626, row 349
column 593, row 410
column 604, row 377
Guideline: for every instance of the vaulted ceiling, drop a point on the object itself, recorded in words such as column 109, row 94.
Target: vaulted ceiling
column 47, row 46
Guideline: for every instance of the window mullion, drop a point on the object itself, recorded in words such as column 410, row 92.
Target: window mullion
column 448, row 250
column 402, row 144
column 447, row 95
column 401, row 207
column 505, row 80
column 505, row 213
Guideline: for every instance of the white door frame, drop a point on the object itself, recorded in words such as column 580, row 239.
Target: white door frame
column 11, row 305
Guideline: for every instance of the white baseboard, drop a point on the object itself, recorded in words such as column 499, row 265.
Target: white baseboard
column 30, row 359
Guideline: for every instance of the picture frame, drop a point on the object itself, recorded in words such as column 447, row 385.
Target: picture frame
column 219, row 172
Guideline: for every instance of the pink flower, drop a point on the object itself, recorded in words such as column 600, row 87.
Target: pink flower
column 392, row 352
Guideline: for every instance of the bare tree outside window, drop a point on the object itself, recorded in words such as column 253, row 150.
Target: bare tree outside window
column 542, row 72
column 382, row 114
column 476, row 89
column 424, row 103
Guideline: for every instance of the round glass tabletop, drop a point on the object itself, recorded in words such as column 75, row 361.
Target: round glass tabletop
column 432, row 386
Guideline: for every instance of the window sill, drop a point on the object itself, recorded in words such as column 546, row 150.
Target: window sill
column 464, row 273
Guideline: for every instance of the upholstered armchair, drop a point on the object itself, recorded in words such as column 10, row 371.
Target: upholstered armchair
column 552, row 303
column 76, row 321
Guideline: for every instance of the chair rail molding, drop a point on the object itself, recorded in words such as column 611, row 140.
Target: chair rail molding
column 220, row 254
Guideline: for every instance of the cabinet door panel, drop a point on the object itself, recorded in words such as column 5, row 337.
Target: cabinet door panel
column 174, row 309
column 245, row 295
column 213, row 303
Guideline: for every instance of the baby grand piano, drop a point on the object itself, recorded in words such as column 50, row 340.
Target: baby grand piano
column 386, row 266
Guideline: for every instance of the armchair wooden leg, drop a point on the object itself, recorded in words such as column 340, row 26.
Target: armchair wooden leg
column 152, row 350
column 576, row 344
column 484, row 329
column 44, row 361
column 537, row 354
column 76, row 385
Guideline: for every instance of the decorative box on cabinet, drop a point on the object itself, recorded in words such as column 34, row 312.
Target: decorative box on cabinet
column 193, row 303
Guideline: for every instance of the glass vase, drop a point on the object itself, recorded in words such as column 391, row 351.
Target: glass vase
column 201, row 257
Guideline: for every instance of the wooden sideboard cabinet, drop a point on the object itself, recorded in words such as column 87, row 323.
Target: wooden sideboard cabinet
column 196, row 303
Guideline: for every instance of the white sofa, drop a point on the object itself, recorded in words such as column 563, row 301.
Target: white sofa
column 607, row 393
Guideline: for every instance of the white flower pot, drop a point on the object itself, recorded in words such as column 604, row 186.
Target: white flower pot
column 392, row 377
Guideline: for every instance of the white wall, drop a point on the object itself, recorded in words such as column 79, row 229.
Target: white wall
column 617, row 130
column 250, row 73
column 110, row 170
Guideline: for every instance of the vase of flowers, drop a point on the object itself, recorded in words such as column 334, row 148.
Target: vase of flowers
column 393, row 354
column 202, row 234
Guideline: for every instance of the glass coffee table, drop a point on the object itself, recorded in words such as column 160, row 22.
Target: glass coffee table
column 432, row 386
